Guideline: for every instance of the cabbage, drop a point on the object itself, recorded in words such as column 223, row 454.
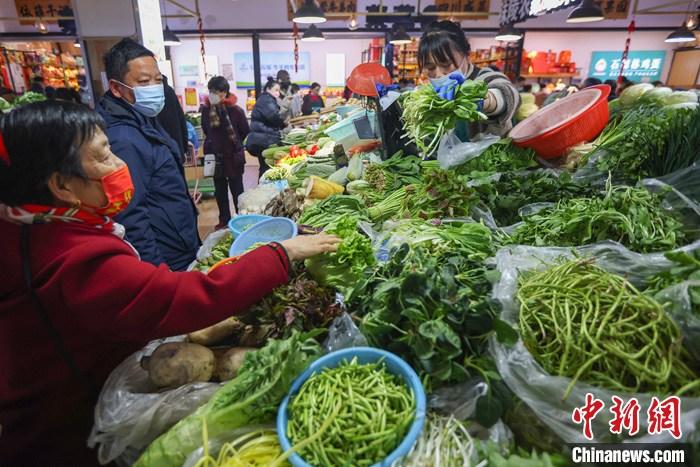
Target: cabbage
column 680, row 97
column 657, row 95
column 527, row 98
column 631, row 95
column 525, row 110
column 682, row 105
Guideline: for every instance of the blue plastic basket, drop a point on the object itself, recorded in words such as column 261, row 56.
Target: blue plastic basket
column 345, row 129
column 394, row 365
column 274, row 229
column 344, row 110
column 239, row 224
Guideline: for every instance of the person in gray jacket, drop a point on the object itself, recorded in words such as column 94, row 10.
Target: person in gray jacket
column 443, row 55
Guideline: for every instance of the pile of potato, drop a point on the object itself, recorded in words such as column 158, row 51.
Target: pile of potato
column 174, row 364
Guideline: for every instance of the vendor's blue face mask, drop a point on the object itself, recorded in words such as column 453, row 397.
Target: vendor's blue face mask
column 149, row 100
column 445, row 79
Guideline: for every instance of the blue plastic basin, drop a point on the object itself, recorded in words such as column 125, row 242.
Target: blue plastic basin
column 273, row 229
column 394, row 365
column 239, row 224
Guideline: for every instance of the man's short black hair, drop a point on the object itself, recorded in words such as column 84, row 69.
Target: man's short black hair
column 43, row 138
column 219, row 84
column 118, row 58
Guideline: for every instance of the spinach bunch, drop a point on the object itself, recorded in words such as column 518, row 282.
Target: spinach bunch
column 501, row 156
column 443, row 193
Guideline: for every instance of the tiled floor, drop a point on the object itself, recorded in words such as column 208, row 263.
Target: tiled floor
column 209, row 213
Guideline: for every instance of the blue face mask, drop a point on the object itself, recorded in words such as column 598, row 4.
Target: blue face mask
column 444, row 80
column 149, row 99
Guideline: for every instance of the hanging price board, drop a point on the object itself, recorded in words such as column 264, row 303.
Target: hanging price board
column 45, row 9
column 464, row 9
column 334, row 6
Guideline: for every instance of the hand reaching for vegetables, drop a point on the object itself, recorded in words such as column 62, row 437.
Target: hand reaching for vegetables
column 306, row 246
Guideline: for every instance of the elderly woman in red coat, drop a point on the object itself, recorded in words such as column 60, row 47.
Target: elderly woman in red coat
column 75, row 299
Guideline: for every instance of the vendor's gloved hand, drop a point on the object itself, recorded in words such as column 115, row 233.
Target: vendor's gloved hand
column 448, row 87
column 306, row 246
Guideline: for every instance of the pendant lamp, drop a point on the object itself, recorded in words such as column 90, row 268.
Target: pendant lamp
column 309, row 13
column 586, row 12
column 313, row 34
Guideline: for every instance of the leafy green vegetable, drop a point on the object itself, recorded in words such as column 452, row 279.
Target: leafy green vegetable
column 219, row 252
column 29, row 98
column 327, row 211
column 433, row 310
column 427, row 116
column 251, row 397
column 342, row 268
column 501, row 156
column 631, row 216
column 301, row 305
column 443, row 193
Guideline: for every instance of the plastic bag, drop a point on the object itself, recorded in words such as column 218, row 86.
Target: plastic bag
column 209, row 242
column 131, row 413
column 343, row 334
column 678, row 303
column 543, row 392
column 459, row 400
column 453, row 152
column 254, row 201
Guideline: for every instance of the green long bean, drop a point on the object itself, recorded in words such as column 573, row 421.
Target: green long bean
column 580, row 321
column 371, row 412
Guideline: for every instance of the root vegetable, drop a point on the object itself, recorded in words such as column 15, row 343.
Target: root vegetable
column 176, row 363
column 228, row 363
column 215, row 333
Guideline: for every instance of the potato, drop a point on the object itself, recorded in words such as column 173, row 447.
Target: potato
column 176, row 363
column 228, row 363
column 215, row 333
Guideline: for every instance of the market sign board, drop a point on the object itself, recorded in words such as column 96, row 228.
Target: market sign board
column 640, row 66
column 45, row 9
column 348, row 7
column 270, row 64
column 464, row 9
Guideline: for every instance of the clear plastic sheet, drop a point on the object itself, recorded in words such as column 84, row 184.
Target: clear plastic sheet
column 679, row 305
column 343, row 334
column 543, row 392
column 453, row 152
column 131, row 412
column 254, row 201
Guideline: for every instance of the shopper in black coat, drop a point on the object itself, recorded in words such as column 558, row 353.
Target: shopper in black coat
column 172, row 118
column 266, row 123
column 226, row 127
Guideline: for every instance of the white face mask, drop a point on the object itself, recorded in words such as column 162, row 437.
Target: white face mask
column 214, row 98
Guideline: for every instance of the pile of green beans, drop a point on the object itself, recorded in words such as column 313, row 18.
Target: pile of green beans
column 371, row 412
column 427, row 116
column 580, row 321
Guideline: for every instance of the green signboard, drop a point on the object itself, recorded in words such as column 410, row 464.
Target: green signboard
column 640, row 66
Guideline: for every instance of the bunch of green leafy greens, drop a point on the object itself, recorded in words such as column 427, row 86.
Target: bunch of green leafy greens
column 329, row 210
column 342, row 268
column 432, row 309
column 632, row 216
column 506, row 193
column 443, row 193
column 501, row 156
column 29, row 98
column 427, row 116
column 636, row 147
column 251, row 397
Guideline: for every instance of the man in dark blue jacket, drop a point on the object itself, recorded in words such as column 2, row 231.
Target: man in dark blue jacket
column 161, row 220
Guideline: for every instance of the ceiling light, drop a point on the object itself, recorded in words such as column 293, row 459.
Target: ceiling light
column 400, row 37
column 309, row 13
column 508, row 33
column 170, row 39
column 77, row 43
column 352, row 24
column 313, row 34
column 586, row 12
column 682, row 34
column 41, row 26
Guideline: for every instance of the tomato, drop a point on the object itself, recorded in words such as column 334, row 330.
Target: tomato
column 313, row 149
